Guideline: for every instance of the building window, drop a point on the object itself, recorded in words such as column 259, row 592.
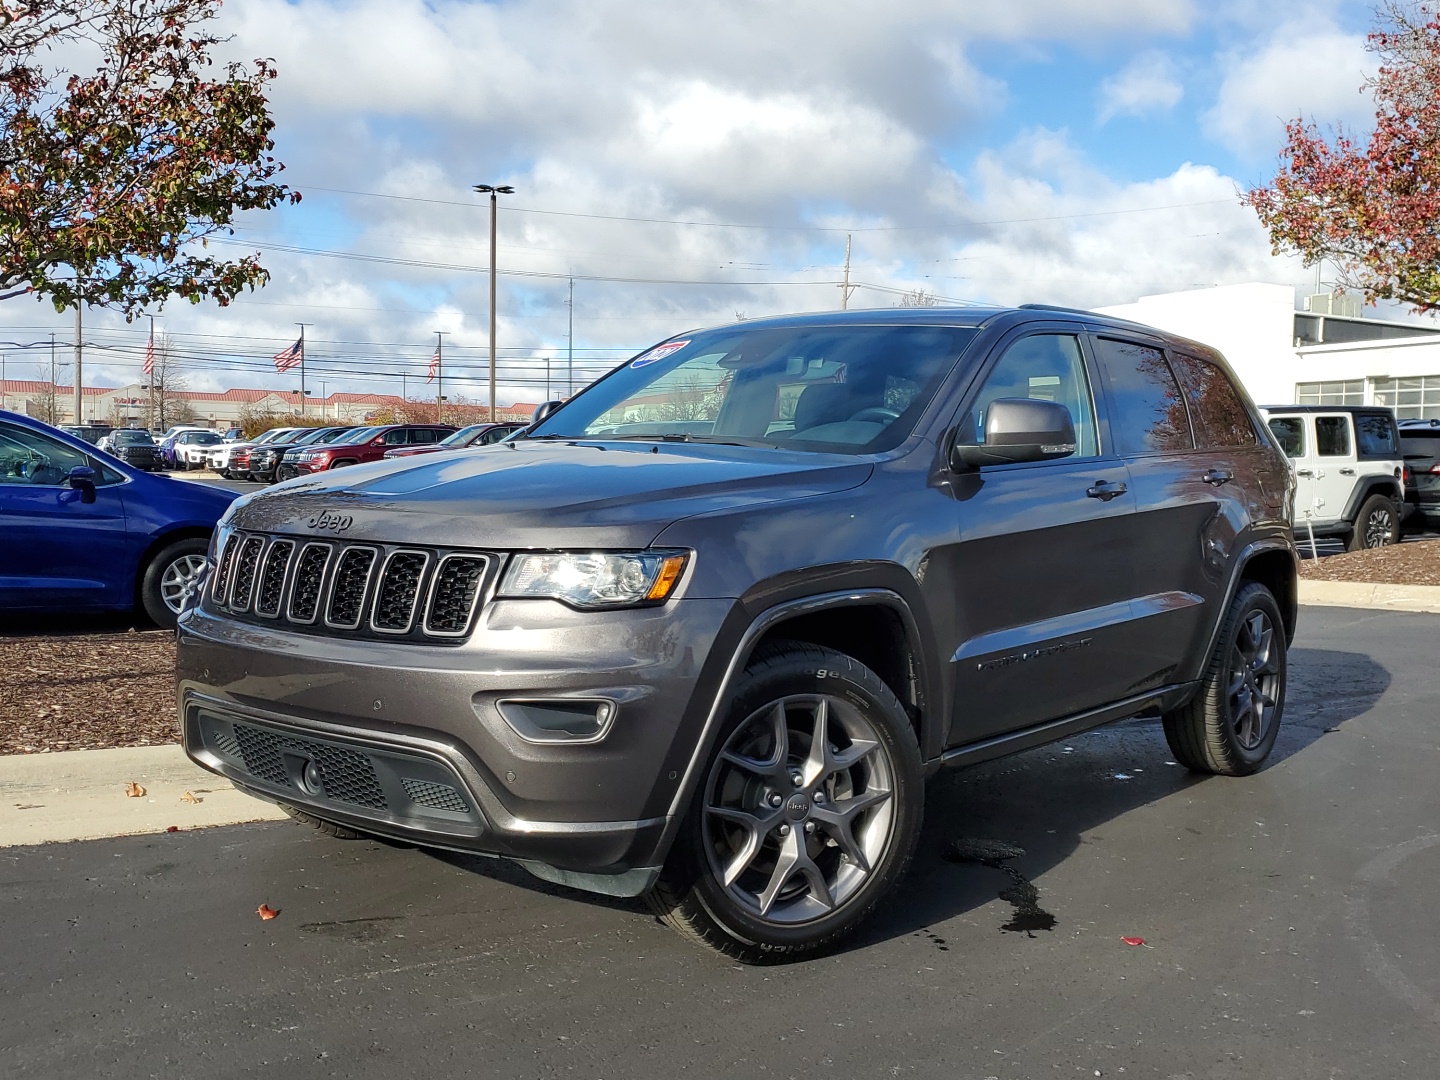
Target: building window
column 1416, row 398
column 1349, row 392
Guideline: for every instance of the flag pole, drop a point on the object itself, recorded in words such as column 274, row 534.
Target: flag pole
column 439, row 377
column 302, row 369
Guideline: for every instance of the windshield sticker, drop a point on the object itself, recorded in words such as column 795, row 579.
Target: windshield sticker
column 659, row 353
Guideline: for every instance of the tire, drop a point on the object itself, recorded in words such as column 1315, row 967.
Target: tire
column 167, row 576
column 329, row 828
column 1376, row 525
column 1228, row 728
column 342, row 463
column 862, row 798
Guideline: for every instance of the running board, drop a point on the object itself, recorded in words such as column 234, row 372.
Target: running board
column 1163, row 698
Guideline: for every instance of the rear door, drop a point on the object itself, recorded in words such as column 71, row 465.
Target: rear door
column 1332, row 467
column 1038, row 565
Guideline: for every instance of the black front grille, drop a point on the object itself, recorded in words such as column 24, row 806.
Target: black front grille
column 347, row 591
column 435, row 796
column 452, row 603
column 246, row 562
column 345, row 775
column 331, row 587
column 308, row 582
column 272, row 578
column 399, row 591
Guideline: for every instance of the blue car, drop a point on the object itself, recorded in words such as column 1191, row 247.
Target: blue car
column 82, row 531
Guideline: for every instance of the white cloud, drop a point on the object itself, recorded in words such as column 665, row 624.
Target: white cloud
column 1146, row 85
column 1311, row 73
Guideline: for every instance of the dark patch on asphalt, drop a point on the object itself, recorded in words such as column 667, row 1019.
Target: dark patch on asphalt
column 360, row 931
column 934, row 939
column 1021, row 894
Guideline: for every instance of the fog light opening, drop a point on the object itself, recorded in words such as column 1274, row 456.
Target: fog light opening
column 557, row 720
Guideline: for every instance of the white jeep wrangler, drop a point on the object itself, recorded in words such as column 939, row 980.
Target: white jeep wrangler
column 1348, row 471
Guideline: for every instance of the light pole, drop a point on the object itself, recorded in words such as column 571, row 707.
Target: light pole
column 493, row 192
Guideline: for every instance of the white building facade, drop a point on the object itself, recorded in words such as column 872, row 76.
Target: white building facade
column 1285, row 356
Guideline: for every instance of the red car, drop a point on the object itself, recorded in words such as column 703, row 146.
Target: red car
column 474, row 435
column 369, row 444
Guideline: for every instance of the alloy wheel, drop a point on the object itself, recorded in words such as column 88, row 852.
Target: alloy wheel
column 799, row 808
column 1379, row 528
column 1254, row 684
column 180, row 580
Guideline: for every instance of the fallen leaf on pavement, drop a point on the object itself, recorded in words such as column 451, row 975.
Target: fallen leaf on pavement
column 190, row 798
column 265, row 911
column 173, row 828
column 1136, row 941
column 134, row 790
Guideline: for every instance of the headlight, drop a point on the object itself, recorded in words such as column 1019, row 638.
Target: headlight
column 589, row 579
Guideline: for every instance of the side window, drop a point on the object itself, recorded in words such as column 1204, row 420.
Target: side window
column 1220, row 417
column 1047, row 367
column 1332, row 436
column 494, row 435
column 1290, row 430
column 1147, row 413
column 394, row 438
column 1375, row 436
column 424, row 435
column 28, row 458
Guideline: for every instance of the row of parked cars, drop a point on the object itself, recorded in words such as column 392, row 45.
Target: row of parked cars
column 284, row 453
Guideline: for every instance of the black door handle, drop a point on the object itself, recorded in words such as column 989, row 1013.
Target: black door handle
column 1105, row 490
column 1217, row 477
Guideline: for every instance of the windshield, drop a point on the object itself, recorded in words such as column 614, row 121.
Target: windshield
column 463, row 436
column 133, row 438
column 358, row 435
column 314, row 435
column 203, row 438
column 834, row 389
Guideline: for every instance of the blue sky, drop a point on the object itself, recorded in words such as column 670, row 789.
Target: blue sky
column 1073, row 152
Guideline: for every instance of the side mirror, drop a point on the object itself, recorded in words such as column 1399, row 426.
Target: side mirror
column 1018, row 430
column 82, row 479
column 545, row 410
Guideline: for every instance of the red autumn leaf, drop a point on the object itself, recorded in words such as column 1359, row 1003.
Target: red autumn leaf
column 1136, row 941
column 173, row 828
column 265, row 911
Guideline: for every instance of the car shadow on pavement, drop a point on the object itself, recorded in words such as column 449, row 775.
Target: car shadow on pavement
column 37, row 624
column 992, row 830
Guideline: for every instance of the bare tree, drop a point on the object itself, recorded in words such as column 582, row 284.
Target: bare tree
column 918, row 298
column 46, row 405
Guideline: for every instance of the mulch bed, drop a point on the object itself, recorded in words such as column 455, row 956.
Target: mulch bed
column 87, row 691
column 1414, row 563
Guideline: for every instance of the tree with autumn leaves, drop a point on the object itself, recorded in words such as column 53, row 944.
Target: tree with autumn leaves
column 113, row 175
column 1371, row 208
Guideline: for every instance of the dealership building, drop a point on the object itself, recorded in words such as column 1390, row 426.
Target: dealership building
column 1325, row 354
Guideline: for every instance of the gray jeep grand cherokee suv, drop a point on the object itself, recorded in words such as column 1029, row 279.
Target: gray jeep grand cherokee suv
column 705, row 630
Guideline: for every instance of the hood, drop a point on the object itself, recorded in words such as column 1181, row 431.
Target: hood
column 543, row 494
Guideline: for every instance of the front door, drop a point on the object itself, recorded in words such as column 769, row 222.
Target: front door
column 56, row 550
column 1038, row 568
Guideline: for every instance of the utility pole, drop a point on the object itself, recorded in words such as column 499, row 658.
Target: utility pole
column 404, row 389
column 494, row 193
column 52, row 418
column 302, row 367
column 570, row 347
column 440, row 380
column 845, row 285
column 79, row 367
column 150, row 376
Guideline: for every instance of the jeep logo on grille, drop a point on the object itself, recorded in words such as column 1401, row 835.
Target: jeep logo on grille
column 336, row 523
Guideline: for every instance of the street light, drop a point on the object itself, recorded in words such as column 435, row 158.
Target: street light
column 493, row 192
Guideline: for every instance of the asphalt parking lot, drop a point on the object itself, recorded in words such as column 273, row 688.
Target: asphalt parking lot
column 1288, row 922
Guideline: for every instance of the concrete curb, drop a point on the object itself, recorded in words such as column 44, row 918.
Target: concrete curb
column 80, row 795
column 1364, row 594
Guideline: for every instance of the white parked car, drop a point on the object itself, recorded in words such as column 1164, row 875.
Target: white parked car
column 192, row 448
column 1348, row 471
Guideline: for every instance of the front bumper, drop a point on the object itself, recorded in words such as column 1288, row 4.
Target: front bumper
column 408, row 740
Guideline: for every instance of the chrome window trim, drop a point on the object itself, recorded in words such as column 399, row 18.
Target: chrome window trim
column 414, row 601
column 324, row 574
column 364, row 588
column 486, row 565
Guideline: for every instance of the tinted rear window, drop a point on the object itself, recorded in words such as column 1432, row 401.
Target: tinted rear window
column 1420, row 445
column 1147, row 413
column 1220, row 417
column 1375, row 435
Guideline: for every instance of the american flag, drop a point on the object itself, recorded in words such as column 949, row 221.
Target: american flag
column 291, row 357
column 149, row 368
column 434, row 365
